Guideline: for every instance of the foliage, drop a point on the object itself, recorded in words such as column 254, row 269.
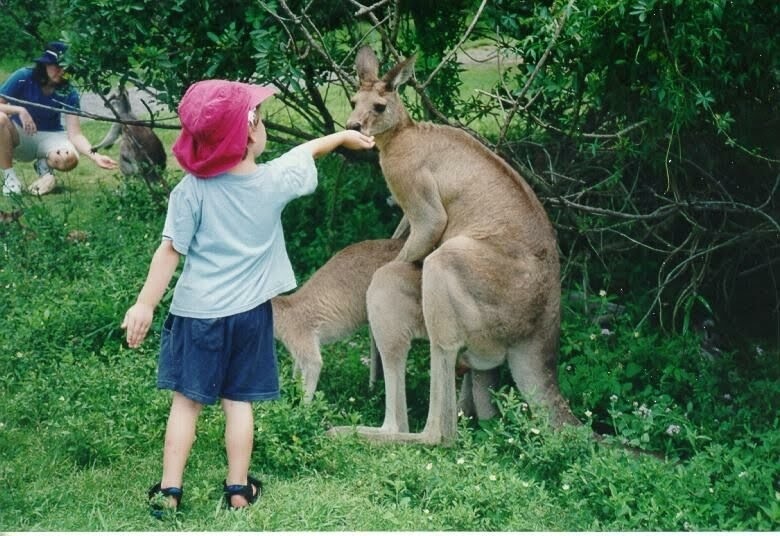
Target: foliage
column 665, row 111
column 646, row 126
column 26, row 27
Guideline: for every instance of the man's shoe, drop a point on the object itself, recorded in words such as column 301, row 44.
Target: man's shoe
column 43, row 185
column 42, row 167
column 12, row 185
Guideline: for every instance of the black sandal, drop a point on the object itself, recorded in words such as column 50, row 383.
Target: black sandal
column 251, row 496
column 157, row 505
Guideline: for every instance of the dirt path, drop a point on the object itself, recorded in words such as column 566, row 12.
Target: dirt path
column 93, row 103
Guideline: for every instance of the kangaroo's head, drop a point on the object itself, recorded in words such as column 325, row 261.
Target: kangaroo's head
column 376, row 107
column 120, row 103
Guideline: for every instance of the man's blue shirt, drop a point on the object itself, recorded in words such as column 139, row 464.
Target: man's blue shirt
column 21, row 86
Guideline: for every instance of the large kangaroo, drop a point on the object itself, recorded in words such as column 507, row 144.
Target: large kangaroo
column 141, row 153
column 490, row 268
column 331, row 305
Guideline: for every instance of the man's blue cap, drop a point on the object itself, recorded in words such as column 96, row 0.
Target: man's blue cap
column 53, row 53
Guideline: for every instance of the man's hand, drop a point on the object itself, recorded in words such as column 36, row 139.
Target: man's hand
column 28, row 124
column 106, row 162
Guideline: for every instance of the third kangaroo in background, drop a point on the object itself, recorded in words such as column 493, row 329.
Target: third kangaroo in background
column 141, row 153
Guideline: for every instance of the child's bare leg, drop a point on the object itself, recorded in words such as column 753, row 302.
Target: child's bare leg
column 239, row 435
column 179, row 436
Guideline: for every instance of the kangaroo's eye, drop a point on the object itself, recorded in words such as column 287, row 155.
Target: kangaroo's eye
column 379, row 108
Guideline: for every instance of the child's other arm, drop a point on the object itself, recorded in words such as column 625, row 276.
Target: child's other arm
column 139, row 317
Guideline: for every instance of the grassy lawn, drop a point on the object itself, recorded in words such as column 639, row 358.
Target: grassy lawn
column 81, row 423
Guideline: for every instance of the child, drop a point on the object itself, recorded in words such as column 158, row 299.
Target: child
column 225, row 216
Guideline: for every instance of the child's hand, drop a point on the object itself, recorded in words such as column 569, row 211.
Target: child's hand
column 137, row 321
column 352, row 139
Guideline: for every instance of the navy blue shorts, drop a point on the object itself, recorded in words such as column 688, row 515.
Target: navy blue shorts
column 233, row 357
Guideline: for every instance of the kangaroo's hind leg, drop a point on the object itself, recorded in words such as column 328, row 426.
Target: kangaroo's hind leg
column 395, row 317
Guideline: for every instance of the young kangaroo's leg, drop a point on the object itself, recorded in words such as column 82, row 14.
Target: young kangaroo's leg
column 475, row 399
column 305, row 351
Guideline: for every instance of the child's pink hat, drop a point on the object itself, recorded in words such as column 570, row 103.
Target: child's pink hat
column 214, row 118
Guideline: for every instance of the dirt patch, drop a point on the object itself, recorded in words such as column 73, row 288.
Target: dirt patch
column 93, row 103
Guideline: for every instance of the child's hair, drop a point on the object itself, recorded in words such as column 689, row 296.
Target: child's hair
column 254, row 119
column 41, row 76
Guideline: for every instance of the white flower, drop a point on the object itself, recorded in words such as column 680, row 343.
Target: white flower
column 510, row 440
column 588, row 413
column 460, row 461
column 524, row 484
column 673, row 430
column 613, row 398
column 565, row 487
column 593, row 336
column 460, row 413
column 602, row 293
column 352, row 399
column 742, row 474
column 492, row 478
column 759, row 351
column 636, row 334
column 535, row 431
column 429, row 466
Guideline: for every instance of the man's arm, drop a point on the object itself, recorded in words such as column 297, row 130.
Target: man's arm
column 82, row 144
column 27, row 121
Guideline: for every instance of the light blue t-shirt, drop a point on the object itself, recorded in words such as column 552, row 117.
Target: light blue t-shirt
column 230, row 229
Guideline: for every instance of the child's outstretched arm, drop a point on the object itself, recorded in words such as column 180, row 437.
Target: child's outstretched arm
column 351, row 139
column 139, row 317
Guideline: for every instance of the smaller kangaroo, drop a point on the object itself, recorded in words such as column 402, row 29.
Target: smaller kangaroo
column 141, row 153
column 330, row 306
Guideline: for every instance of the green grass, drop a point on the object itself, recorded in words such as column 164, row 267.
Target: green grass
column 81, row 423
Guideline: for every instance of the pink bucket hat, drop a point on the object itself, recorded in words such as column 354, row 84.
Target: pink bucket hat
column 214, row 118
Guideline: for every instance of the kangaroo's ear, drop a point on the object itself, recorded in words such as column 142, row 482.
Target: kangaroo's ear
column 399, row 74
column 367, row 65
